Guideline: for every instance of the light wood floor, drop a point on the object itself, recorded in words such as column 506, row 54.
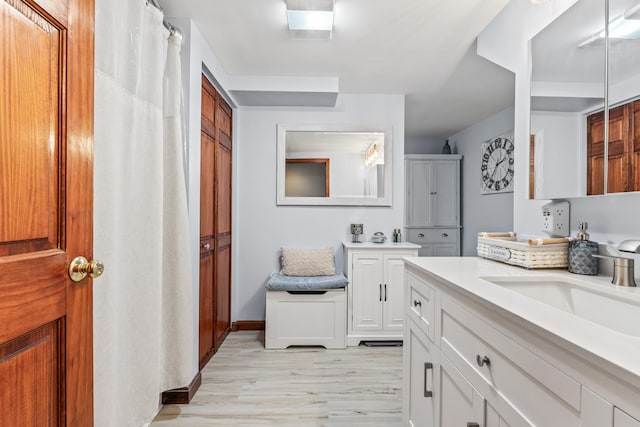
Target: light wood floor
column 246, row 385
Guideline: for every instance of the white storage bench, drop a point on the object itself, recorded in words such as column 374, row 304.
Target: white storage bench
column 306, row 311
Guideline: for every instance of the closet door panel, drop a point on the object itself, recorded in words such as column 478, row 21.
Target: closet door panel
column 223, row 295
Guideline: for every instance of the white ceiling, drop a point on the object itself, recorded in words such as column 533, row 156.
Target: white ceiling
column 424, row 49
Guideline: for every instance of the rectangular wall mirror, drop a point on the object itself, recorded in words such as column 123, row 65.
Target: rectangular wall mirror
column 336, row 166
column 569, row 93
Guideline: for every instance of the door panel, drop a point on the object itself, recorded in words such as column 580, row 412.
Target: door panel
column 445, row 177
column 34, row 399
column 223, row 190
column 419, row 181
column 46, row 212
column 205, row 342
column 223, row 293
column 367, row 295
column 393, row 311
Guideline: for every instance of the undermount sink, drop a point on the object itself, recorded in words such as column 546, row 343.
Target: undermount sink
column 610, row 308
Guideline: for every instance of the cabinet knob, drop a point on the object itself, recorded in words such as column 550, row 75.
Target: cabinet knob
column 421, row 235
column 433, row 193
column 417, row 303
column 445, row 235
column 484, row 360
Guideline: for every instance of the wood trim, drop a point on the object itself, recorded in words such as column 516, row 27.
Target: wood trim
column 327, row 170
column 182, row 395
column 247, row 325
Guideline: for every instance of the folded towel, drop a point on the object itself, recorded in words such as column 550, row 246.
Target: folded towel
column 550, row 241
column 498, row 234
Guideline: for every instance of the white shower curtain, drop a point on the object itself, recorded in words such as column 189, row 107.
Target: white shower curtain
column 143, row 335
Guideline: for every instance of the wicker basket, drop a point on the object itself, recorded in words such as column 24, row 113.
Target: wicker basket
column 523, row 254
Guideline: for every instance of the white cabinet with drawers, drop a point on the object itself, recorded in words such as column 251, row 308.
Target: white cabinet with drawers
column 375, row 302
column 433, row 203
column 468, row 363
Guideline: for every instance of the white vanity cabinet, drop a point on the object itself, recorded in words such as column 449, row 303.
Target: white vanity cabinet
column 433, row 203
column 375, row 291
column 488, row 368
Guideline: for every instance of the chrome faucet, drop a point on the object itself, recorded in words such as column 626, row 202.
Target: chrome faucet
column 623, row 268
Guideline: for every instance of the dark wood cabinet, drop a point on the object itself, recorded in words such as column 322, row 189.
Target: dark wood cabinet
column 215, row 222
column 623, row 163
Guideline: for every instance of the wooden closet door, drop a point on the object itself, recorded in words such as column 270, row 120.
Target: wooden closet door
column 223, row 222
column 207, row 222
column 635, row 146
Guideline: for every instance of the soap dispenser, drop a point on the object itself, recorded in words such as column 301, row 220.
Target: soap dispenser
column 581, row 250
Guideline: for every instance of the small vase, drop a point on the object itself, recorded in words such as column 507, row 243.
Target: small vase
column 446, row 149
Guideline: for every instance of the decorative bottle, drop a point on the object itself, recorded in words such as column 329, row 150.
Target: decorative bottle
column 580, row 251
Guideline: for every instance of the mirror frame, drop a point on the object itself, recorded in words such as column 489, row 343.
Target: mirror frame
column 282, row 200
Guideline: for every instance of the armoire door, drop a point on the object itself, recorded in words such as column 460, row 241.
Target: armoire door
column 46, row 212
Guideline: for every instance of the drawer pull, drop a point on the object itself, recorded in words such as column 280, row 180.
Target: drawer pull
column 427, row 366
column 421, row 235
column 445, row 235
column 417, row 302
column 473, row 425
column 484, row 360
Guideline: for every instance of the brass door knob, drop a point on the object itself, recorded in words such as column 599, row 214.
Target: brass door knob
column 80, row 267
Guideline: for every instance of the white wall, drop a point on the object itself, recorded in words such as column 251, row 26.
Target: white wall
column 423, row 145
column 489, row 212
column 262, row 228
column 560, row 146
column 506, row 41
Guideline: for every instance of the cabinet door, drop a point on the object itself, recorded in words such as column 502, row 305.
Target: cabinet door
column 460, row 402
column 445, row 186
column 419, row 195
column 426, row 250
column 393, row 295
column 367, row 290
column 420, row 361
column 621, row 419
column 445, row 249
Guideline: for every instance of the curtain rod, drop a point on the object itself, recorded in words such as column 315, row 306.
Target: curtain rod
column 172, row 30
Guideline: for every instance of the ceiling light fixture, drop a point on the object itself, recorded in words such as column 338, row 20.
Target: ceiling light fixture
column 626, row 26
column 310, row 19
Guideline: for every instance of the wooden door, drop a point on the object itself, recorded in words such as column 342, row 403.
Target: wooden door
column 621, row 151
column 635, row 146
column 46, row 211
column 618, row 163
column 223, row 186
column 207, row 222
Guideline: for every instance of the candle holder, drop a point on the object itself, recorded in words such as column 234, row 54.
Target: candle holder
column 356, row 231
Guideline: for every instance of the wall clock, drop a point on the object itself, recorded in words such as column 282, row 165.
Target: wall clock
column 496, row 169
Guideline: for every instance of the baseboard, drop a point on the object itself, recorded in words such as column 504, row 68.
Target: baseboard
column 182, row 395
column 247, row 325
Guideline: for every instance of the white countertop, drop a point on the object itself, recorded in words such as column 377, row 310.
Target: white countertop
column 465, row 273
column 385, row 245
